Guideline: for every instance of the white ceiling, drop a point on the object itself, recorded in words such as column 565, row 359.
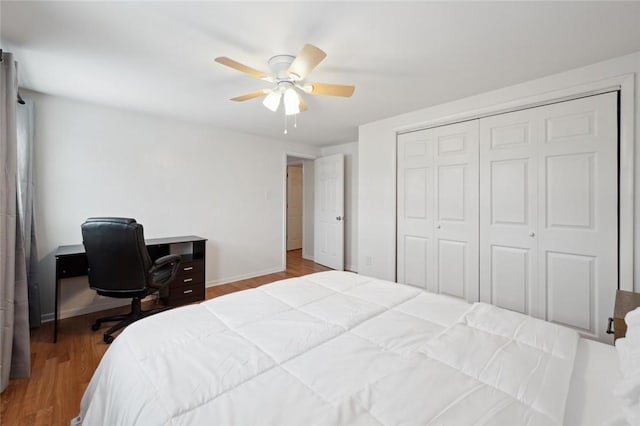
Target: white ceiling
column 157, row 57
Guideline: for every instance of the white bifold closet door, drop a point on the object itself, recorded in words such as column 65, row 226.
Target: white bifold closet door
column 548, row 211
column 438, row 209
column 519, row 210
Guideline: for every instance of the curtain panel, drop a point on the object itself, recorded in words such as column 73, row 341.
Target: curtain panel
column 14, row 311
column 26, row 205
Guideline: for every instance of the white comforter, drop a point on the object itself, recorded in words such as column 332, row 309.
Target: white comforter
column 334, row 348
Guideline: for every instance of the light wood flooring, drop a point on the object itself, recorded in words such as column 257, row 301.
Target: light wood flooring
column 61, row 372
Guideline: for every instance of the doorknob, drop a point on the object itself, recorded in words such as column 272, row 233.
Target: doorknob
column 532, row 234
column 438, row 226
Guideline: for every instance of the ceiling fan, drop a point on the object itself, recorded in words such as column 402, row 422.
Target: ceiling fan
column 288, row 74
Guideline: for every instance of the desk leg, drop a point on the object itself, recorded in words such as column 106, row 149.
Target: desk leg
column 55, row 311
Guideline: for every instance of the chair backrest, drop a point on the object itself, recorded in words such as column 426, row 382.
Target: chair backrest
column 117, row 255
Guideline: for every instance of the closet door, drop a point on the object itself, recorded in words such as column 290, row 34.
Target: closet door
column 508, row 212
column 456, row 209
column 548, row 215
column 415, row 210
column 438, row 209
column 578, row 211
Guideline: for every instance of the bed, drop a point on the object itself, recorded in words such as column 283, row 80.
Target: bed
column 337, row 348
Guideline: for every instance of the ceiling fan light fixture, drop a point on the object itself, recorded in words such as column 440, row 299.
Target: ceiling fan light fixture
column 308, row 88
column 291, row 102
column 272, row 101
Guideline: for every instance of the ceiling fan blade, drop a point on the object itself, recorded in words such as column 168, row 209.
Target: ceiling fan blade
column 303, row 105
column 329, row 89
column 241, row 67
column 308, row 58
column 251, row 95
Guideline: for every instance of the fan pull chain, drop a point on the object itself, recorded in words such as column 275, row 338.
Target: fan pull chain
column 285, row 124
column 295, row 121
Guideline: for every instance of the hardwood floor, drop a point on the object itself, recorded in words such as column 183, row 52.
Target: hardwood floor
column 61, row 372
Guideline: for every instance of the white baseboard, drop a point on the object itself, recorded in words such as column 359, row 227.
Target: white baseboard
column 351, row 268
column 227, row 280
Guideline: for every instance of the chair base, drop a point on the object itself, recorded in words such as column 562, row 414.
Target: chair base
column 126, row 319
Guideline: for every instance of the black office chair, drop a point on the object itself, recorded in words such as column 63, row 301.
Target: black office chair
column 120, row 266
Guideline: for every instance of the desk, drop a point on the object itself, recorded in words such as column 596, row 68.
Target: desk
column 188, row 286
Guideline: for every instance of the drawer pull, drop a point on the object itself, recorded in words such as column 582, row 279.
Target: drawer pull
column 188, row 268
column 188, row 280
column 187, row 291
column 609, row 329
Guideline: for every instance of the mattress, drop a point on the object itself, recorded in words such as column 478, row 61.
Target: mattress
column 337, row 348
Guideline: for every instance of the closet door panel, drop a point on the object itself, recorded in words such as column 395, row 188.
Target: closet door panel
column 510, row 282
column 578, row 232
column 452, row 279
column 416, row 265
column 415, row 255
column 508, row 213
column 438, row 209
column 456, row 208
column 571, row 283
column 570, row 189
column 509, row 181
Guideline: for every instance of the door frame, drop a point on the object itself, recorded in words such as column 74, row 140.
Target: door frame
column 283, row 248
column 625, row 84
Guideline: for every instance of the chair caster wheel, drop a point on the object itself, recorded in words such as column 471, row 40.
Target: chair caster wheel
column 95, row 326
column 108, row 339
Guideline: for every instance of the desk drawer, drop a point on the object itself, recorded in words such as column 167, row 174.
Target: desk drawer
column 186, row 293
column 182, row 290
column 193, row 269
column 188, row 285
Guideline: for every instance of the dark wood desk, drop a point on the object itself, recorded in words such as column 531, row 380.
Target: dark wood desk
column 187, row 287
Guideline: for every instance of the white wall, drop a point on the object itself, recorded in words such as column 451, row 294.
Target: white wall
column 377, row 156
column 350, row 152
column 176, row 178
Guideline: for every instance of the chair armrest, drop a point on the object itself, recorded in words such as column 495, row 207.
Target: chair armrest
column 164, row 269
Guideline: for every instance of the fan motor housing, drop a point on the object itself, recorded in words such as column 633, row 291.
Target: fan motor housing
column 279, row 65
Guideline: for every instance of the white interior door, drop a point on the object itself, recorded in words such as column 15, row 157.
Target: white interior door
column 415, row 210
column 294, row 207
column 578, row 211
column 438, row 209
column 508, row 212
column 456, row 209
column 329, row 211
column 549, row 230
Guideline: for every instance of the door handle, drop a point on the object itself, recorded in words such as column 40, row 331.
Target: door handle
column 532, row 234
column 339, row 218
column 609, row 328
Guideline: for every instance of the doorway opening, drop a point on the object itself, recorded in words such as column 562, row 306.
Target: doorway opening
column 298, row 210
column 294, row 207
